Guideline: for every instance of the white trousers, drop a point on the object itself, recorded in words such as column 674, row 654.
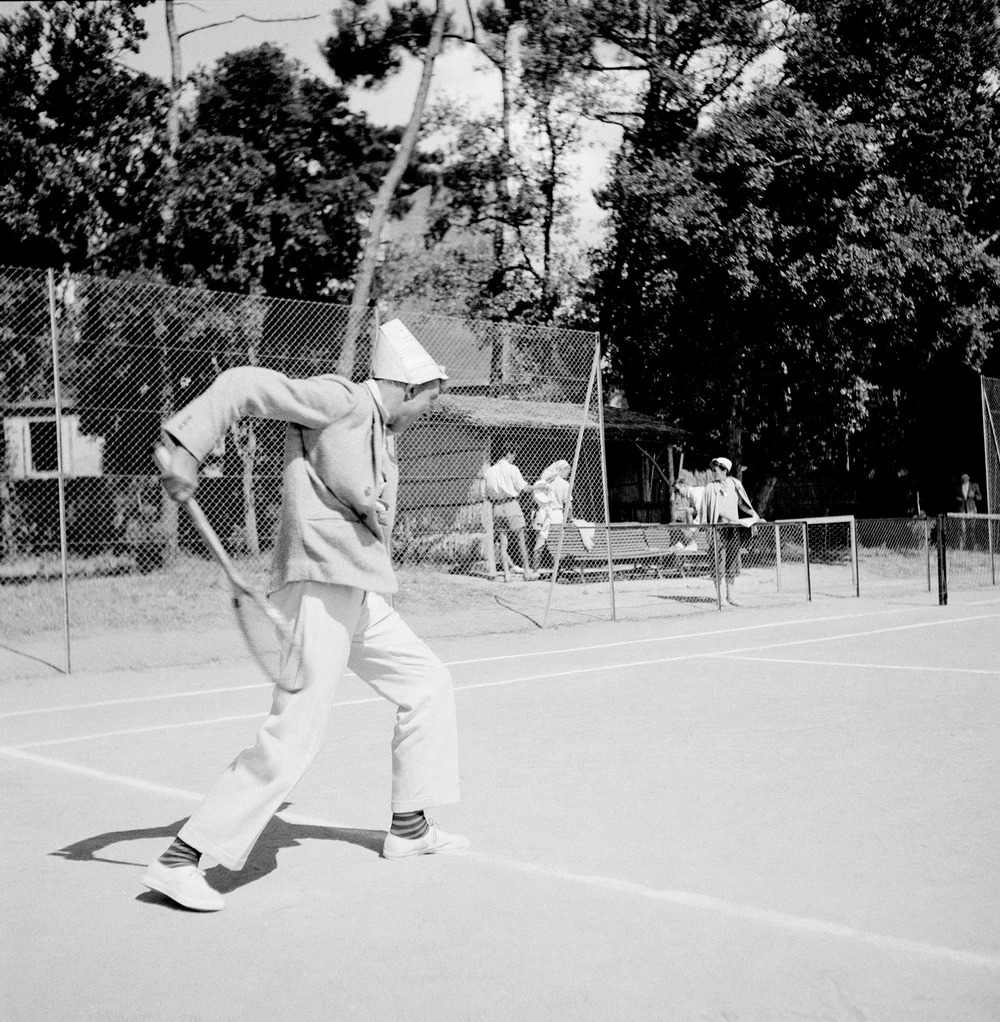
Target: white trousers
column 337, row 627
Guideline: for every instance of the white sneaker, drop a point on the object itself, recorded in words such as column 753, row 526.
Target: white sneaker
column 434, row 842
column 184, row 884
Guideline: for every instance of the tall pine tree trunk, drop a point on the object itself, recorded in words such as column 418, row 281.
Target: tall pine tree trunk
column 384, row 197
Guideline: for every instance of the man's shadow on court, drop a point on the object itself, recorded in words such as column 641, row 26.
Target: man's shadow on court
column 263, row 859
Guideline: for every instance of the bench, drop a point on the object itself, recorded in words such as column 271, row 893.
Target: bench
column 630, row 550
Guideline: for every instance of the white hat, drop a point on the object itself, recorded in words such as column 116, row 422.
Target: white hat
column 399, row 356
column 724, row 462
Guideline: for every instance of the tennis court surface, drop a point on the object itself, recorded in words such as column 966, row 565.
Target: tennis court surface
column 770, row 815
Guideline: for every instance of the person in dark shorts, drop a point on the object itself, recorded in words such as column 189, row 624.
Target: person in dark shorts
column 504, row 484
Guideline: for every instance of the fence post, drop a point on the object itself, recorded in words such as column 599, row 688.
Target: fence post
column 60, row 464
column 777, row 557
column 927, row 550
column 718, row 566
column 604, row 471
column 568, row 510
column 489, row 554
column 989, row 433
column 993, row 560
column 942, row 561
column 854, row 557
column 805, row 557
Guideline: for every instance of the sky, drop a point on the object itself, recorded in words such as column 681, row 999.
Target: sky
column 458, row 74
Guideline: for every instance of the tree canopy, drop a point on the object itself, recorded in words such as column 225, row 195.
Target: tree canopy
column 796, row 271
column 802, row 218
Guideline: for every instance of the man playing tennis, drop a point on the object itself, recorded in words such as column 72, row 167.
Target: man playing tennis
column 331, row 562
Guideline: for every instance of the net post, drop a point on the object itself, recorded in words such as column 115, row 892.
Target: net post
column 777, row 557
column 60, row 462
column 927, row 550
column 942, row 561
column 805, row 558
column 718, row 566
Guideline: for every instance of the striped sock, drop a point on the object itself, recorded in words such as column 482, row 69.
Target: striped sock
column 409, row 825
column 180, row 853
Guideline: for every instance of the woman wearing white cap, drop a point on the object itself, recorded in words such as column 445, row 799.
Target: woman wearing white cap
column 331, row 562
column 551, row 492
column 721, row 502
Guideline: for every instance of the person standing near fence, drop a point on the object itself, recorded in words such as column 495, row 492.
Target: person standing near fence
column 967, row 498
column 551, row 494
column 331, row 563
column 504, row 485
column 721, row 502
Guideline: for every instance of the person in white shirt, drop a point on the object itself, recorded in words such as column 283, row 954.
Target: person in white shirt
column 504, row 484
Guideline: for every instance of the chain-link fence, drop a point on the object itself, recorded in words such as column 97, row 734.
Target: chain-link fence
column 897, row 556
column 512, row 389
column 971, row 548
column 89, row 369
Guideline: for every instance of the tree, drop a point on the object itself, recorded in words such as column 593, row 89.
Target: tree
column 510, row 174
column 79, row 146
column 365, row 48
column 796, row 280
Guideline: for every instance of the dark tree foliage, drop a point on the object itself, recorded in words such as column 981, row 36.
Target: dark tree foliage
column 366, row 48
column 274, row 170
column 79, row 134
column 815, row 260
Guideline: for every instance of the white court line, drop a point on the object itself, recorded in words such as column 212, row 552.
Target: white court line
column 573, row 672
column 687, row 899
column 68, row 707
column 101, row 775
column 842, row 663
column 168, row 727
column 752, row 914
column 685, row 635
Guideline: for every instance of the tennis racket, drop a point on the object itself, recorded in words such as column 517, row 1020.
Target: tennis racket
column 257, row 617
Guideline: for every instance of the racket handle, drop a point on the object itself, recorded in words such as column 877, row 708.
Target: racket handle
column 162, row 457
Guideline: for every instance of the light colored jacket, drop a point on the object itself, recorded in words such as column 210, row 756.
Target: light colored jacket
column 333, row 527
column 716, row 502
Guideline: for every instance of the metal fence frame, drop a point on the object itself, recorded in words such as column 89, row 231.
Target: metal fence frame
column 961, row 543
column 531, row 379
